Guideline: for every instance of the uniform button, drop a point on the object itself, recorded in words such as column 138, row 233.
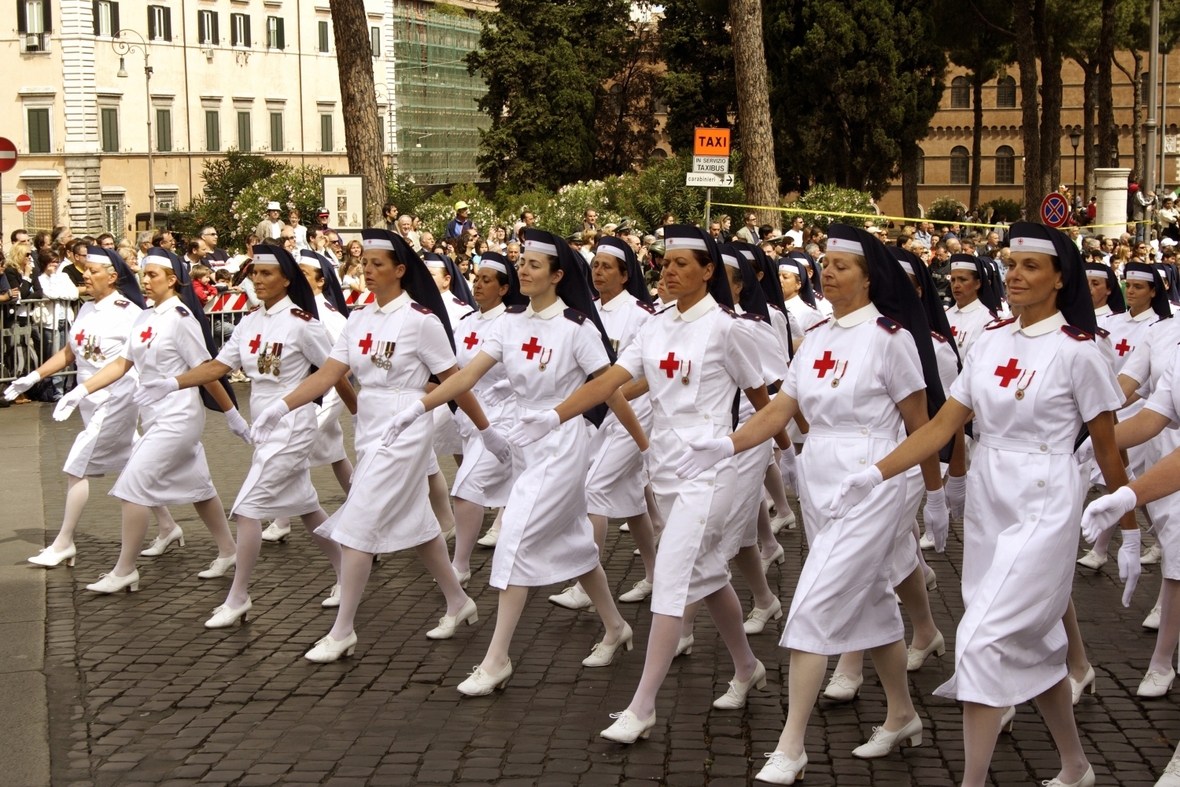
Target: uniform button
column 1044, row 448
column 864, row 431
column 702, row 521
column 710, row 483
column 1040, row 483
column 1033, row 517
column 705, row 417
column 862, row 461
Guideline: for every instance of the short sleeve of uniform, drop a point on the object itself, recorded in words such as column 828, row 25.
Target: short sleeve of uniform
column 631, row 356
column 1163, row 400
column 230, row 353
column 493, row 341
column 960, row 391
column 1095, row 389
column 589, row 351
column 901, row 368
column 1138, row 365
column 190, row 342
column 741, row 356
column 340, row 348
column 317, row 347
column 434, row 350
column 142, row 317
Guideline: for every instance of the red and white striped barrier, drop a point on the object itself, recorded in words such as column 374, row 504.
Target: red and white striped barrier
column 359, row 298
column 227, row 302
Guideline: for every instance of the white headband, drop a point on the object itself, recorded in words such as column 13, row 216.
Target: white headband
column 905, row 265
column 613, row 251
column 265, row 259
column 730, row 261
column 311, row 260
column 436, row 264
column 542, row 248
column 1037, row 245
column 789, row 267
column 960, row 265
column 749, row 255
column 378, row 243
column 849, row 246
column 1139, row 276
column 494, row 265
column 685, row 243
column 101, row 259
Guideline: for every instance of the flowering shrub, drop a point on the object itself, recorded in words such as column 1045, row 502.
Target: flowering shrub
column 834, row 199
column 301, row 188
column 946, row 209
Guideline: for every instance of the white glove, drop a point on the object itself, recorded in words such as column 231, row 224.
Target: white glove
column 495, row 442
column 22, row 384
column 532, row 426
column 497, row 394
column 67, row 403
column 956, row 495
column 853, row 489
column 401, row 421
column 788, row 469
column 237, row 424
column 1085, row 452
column 1105, row 512
column 266, row 422
column 463, row 424
column 937, row 517
column 149, row 393
column 702, row 455
column 1129, row 566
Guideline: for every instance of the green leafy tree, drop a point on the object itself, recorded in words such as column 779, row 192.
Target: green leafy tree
column 299, row 188
column 832, row 199
column 225, row 179
column 698, row 86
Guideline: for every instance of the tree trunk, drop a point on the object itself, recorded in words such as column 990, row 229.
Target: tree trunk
column 1136, row 79
column 976, row 136
column 749, row 65
column 1026, row 58
column 1108, row 133
column 1051, row 90
column 1089, row 104
column 358, row 102
column 909, row 179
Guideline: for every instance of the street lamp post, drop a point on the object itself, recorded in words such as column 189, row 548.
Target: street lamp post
column 122, row 49
column 1075, row 138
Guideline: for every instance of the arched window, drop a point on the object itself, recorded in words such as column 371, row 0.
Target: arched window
column 1006, row 92
column 921, row 166
column 960, row 165
column 960, row 93
column 1005, row 164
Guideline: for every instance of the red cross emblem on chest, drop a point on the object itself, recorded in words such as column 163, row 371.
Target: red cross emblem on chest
column 472, row 340
column 366, row 344
column 670, row 365
column 532, row 348
column 1008, row 373
column 954, row 330
column 146, row 336
column 824, row 365
column 1123, row 348
column 80, row 337
column 255, row 343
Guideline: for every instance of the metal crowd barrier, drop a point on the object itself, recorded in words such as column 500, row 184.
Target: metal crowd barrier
column 225, row 311
column 30, row 333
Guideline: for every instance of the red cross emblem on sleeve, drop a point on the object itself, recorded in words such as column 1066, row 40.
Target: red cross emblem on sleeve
column 472, row 340
column 1008, row 373
column 824, row 365
column 366, row 344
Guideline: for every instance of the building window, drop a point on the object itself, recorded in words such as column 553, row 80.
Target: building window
column 110, row 129
column 112, row 215
column 960, row 93
column 207, row 32
column 34, row 24
column 164, row 130
column 1006, row 92
column 159, row 23
column 275, row 39
column 276, row 131
column 375, row 41
column 1005, row 164
column 921, row 166
column 326, row 134
column 239, row 29
column 323, row 28
column 44, row 212
column 960, row 165
column 106, row 18
column 244, row 135
column 166, row 201
column 212, row 130
column 39, row 139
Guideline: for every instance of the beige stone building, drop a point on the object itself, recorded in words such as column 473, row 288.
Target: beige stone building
column 256, row 75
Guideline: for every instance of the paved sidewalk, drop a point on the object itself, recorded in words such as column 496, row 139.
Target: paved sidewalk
column 141, row 694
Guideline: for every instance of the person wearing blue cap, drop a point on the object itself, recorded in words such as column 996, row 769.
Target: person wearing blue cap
column 548, row 349
column 392, row 347
column 974, row 305
column 167, row 465
column 1032, row 382
column 276, row 346
column 96, row 337
column 329, row 443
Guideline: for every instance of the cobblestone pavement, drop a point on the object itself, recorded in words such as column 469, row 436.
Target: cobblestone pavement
column 141, row 694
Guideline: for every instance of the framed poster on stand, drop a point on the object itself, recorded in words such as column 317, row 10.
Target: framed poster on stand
column 344, row 197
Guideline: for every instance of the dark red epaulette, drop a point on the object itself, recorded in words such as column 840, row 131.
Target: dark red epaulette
column 647, row 307
column 824, row 321
column 938, row 336
column 420, row 308
column 305, row 316
column 890, row 326
column 575, row 316
column 1077, row 333
column 991, row 326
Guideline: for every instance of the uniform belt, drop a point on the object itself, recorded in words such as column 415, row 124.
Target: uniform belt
column 683, row 420
column 381, row 391
column 1025, row 446
column 850, row 431
column 539, row 404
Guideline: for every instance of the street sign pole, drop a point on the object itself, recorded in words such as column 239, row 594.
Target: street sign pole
column 708, row 207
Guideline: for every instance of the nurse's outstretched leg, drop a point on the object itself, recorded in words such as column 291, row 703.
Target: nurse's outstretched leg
column 640, row 716
column 981, row 728
column 496, row 668
column 1056, row 707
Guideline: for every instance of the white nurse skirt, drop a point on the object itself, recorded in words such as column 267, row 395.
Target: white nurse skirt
column 279, row 481
column 108, row 434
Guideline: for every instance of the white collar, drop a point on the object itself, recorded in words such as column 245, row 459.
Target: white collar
column 1143, row 316
column 493, row 312
column 613, row 303
column 975, row 305
column 108, row 301
column 698, row 309
column 549, row 312
column 1047, row 325
column 1103, row 310
column 863, row 314
column 395, row 304
column 167, row 304
column 283, row 305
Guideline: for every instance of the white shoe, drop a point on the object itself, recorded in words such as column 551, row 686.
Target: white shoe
column 463, row 578
column 914, row 658
column 219, row 567
column 882, row 742
column 931, row 581
column 628, row 728
column 781, row 770
column 1079, row 689
column 333, row 599
column 490, row 539
column 224, row 617
column 1171, row 775
column 1087, row 780
column 448, row 623
column 572, row 598
column 1155, row 684
column 684, row 646
column 735, row 696
column 638, row 592
column 1152, row 621
column 48, row 558
column 843, row 688
column 758, row 618
column 449, row 535
column 787, row 520
column 1093, row 560
column 160, row 544
column 603, row 654
column 328, row 649
column 1151, row 555
column 926, row 542
column 109, row 583
column 479, row 683
column 274, row 532
column 778, row 557
column 1007, row 719
column 624, row 528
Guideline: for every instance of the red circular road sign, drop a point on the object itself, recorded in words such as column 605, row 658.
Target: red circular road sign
column 24, row 203
column 7, row 154
column 1055, row 210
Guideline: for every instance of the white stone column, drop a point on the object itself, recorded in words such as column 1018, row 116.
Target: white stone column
column 1112, row 198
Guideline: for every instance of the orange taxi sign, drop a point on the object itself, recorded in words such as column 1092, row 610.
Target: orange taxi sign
column 710, row 142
